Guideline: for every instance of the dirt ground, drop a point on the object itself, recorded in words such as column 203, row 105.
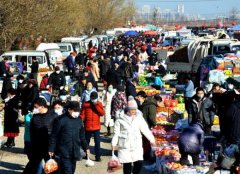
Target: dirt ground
column 13, row 161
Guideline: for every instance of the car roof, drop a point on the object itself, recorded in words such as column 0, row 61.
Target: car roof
column 24, row 52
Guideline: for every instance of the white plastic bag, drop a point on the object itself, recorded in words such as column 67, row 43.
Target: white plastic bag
column 89, row 162
column 114, row 164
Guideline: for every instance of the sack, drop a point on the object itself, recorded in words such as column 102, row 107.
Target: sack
column 114, row 164
column 50, row 166
column 227, row 162
column 89, row 162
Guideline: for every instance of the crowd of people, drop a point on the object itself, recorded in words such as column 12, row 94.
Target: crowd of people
column 62, row 124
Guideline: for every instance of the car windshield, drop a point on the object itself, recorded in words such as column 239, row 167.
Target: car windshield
column 63, row 48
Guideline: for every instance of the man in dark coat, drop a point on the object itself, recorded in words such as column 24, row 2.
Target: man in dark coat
column 201, row 110
column 232, row 123
column 67, row 137
column 40, row 131
column 70, row 65
column 3, row 69
column 57, row 80
column 11, row 128
column 114, row 76
column 34, row 68
column 131, row 88
column 190, row 143
column 79, row 60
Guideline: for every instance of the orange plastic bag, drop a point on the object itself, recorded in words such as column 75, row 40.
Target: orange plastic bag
column 50, row 166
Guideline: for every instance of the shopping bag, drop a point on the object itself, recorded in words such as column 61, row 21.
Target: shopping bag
column 114, row 164
column 50, row 166
column 89, row 162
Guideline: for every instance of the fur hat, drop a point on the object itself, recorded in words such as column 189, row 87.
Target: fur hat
column 132, row 104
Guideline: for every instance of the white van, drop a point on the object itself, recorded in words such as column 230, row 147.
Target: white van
column 66, row 48
column 102, row 38
column 53, row 51
column 25, row 58
column 77, row 42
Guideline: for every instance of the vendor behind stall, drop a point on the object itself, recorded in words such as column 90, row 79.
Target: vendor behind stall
column 190, row 143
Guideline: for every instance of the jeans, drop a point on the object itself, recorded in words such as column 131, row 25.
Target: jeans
column 134, row 168
column 97, row 139
column 67, row 166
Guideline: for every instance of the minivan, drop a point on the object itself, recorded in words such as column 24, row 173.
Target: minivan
column 25, row 58
column 66, row 48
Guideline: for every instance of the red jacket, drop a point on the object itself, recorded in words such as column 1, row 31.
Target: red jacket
column 91, row 115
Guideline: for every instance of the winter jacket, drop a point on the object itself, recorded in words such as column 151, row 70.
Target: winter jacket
column 3, row 69
column 128, row 71
column 57, row 80
column 149, row 110
column 11, row 116
column 67, row 136
column 27, row 121
column 91, row 114
column 113, row 77
column 34, row 67
column 107, row 102
column 128, row 137
column 130, row 89
column 152, row 59
column 208, row 112
column 7, row 84
column 70, row 62
column 119, row 102
column 44, row 83
column 191, row 139
column 31, row 95
column 40, row 130
column 86, row 96
column 232, row 122
column 95, row 71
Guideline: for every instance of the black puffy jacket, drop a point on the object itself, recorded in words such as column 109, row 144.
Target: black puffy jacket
column 208, row 112
column 67, row 137
column 57, row 80
column 40, row 130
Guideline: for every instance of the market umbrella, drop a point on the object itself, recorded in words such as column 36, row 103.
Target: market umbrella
column 131, row 33
column 153, row 33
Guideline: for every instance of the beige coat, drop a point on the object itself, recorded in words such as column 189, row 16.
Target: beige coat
column 95, row 71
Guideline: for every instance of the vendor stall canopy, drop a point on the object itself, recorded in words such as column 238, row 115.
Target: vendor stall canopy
column 152, row 33
column 131, row 33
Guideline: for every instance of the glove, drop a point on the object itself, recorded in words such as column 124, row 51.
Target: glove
column 62, row 87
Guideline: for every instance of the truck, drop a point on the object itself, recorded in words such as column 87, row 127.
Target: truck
column 188, row 59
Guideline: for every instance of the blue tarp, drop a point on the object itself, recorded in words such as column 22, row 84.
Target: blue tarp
column 131, row 33
column 236, row 28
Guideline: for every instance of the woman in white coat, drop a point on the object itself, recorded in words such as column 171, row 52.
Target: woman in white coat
column 107, row 101
column 127, row 136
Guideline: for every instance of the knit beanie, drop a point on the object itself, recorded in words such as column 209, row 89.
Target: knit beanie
column 132, row 104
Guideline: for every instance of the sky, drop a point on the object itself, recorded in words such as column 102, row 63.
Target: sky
column 202, row 7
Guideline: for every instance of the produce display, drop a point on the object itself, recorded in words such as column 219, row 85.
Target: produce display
column 142, row 81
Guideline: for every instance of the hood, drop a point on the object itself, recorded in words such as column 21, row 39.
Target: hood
column 149, row 101
column 123, row 115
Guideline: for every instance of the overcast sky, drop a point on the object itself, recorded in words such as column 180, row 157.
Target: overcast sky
column 204, row 7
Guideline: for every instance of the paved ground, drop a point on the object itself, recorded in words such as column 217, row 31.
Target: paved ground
column 13, row 161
